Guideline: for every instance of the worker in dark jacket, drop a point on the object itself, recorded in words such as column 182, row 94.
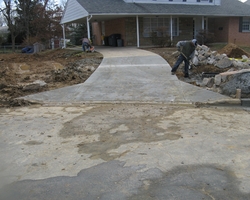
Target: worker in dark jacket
column 187, row 50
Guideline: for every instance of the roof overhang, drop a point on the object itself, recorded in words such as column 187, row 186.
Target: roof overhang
column 105, row 17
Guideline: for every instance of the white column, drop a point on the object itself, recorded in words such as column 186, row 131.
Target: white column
column 171, row 28
column 203, row 24
column 88, row 19
column 88, row 29
column 138, row 31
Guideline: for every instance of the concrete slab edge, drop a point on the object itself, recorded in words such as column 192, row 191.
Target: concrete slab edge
column 226, row 102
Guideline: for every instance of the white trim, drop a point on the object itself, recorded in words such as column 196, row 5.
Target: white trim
column 188, row 2
column 73, row 11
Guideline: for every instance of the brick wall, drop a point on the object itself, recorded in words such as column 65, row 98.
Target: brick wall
column 219, row 26
column 116, row 26
column 227, row 30
column 236, row 37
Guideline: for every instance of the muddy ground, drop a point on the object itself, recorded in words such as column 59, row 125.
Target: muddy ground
column 57, row 68
column 64, row 67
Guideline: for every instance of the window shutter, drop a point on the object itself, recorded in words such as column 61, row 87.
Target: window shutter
column 240, row 24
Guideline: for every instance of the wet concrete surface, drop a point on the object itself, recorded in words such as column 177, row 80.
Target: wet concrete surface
column 113, row 180
column 124, row 151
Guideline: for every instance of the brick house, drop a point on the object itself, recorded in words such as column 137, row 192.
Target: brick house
column 134, row 21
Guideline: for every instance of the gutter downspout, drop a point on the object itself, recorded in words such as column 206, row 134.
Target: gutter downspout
column 137, row 31
column 64, row 40
column 88, row 19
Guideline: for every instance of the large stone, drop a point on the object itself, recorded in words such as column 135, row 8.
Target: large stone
column 36, row 85
column 237, row 64
column 244, row 57
column 207, row 54
column 205, row 82
column 238, row 81
column 210, row 60
column 220, row 56
column 210, row 82
column 224, row 63
column 245, row 65
column 214, row 53
column 217, row 80
column 224, row 78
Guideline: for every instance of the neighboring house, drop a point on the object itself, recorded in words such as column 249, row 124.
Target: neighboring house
column 135, row 20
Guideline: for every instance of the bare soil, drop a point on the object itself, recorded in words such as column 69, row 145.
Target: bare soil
column 64, row 67
column 58, row 68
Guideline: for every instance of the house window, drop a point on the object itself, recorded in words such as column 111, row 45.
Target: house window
column 246, row 24
column 160, row 26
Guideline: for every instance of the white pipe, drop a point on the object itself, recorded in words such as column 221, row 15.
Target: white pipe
column 64, row 40
column 88, row 19
column 137, row 30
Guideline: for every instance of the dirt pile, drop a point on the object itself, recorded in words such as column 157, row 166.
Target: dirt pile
column 22, row 74
column 233, row 51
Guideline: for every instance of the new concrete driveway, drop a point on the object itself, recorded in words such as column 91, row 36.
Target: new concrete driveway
column 130, row 75
column 131, row 149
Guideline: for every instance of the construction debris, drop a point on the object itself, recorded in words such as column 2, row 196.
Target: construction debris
column 236, row 76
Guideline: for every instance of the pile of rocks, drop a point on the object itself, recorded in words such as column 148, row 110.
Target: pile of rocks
column 235, row 77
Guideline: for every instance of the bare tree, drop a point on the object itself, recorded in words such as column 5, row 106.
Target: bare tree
column 63, row 3
column 46, row 23
column 10, row 17
column 36, row 20
column 2, row 21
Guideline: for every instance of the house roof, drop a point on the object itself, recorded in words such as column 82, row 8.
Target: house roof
column 100, row 9
column 247, row 2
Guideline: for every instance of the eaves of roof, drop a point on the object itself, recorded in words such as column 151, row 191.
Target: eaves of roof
column 119, row 7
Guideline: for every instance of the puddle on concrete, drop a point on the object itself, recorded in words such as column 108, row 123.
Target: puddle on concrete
column 193, row 182
column 118, row 125
column 114, row 180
